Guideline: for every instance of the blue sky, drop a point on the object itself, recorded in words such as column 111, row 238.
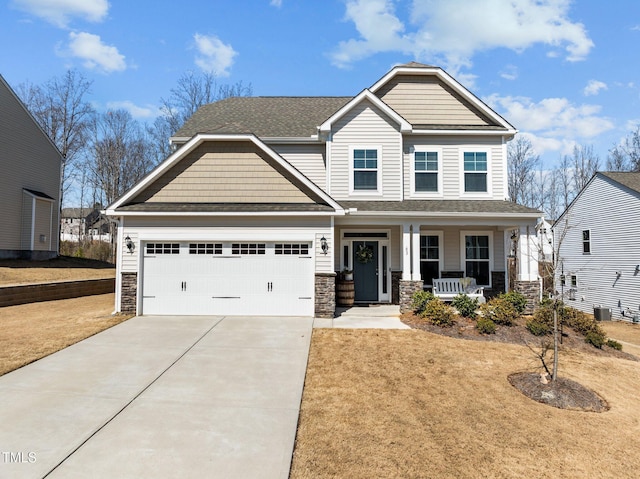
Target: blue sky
column 562, row 72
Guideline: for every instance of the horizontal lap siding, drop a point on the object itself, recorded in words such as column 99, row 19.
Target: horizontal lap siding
column 307, row 159
column 452, row 148
column 366, row 126
column 424, row 100
column 224, row 172
column 613, row 215
column 28, row 160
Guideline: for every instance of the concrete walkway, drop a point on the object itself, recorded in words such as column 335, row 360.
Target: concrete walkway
column 161, row 397
column 375, row 316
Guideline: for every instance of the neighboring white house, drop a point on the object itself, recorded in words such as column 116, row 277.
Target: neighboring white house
column 266, row 199
column 29, row 183
column 545, row 240
column 598, row 247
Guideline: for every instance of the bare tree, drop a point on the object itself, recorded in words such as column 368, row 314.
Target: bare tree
column 617, row 160
column 626, row 156
column 522, row 164
column 585, row 164
column 564, row 182
column 62, row 110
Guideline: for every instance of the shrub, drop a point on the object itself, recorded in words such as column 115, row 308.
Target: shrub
column 465, row 305
column 612, row 343
column 439, row 313
column 595, row 338
column 544, row 314
column 485, row 326
column 538, row 328
column 517, row 300
column 499, row 311
column 420, row 299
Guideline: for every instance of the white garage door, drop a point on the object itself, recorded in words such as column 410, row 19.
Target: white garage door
column 209, row 278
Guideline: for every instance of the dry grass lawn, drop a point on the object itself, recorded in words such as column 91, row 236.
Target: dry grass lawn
column 14, row 272
column 626, row 333
column 412, row 404
column 31, row 331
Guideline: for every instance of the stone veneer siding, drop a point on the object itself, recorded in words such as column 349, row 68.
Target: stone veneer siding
column 531, row 290
column 325, row 306
column 407, row 288
column 498, row 285
column 395, row 286
column 129, row 292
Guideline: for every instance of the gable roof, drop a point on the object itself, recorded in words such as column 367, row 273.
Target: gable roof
column 265, row 117
column 127, row 204
column 629, row 179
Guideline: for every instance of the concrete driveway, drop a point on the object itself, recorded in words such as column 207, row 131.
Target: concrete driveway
column 160, row 397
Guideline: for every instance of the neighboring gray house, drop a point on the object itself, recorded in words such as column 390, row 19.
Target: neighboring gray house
column 30, row 167
column 597, row 245
column 83, row 223
column 267, row 199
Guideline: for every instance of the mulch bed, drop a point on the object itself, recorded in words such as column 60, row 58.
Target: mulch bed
column 562, row 393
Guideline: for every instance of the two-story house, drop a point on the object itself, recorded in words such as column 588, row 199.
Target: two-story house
column 30, row 168
column 266, row 199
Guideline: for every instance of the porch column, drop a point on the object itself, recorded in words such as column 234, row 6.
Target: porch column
column 410, row 252
column 527, row 253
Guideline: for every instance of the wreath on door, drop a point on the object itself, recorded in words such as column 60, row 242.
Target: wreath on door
column 364, row 254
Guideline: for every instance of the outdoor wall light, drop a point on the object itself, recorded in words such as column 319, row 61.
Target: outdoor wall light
column 324, row 245
column 129, row 244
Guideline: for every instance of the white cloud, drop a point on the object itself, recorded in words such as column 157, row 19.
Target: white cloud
column 213, row 55
column 510, row 72
column 555, row 123
column 94, row 53
column 276, row 3
column 60, row 12
column 594, row 87
column 136, row 111
column 452, row 31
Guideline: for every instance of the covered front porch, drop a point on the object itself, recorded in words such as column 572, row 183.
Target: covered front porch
column 388, row 259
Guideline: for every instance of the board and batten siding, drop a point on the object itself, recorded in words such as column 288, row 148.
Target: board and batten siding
column 425, row 100
column 307, row 159
column 452, row 149
column 28, row 160
column 365, row 126
column 612, row 215
column 224, row 172
column 232, row 229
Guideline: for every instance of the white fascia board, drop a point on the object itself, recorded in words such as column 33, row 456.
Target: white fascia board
column 508, row 134
column 449, row 81
column 201, row 138
column 179, row 139
column 37, row 197
column 405, row 126
column 340, row 212
column 445, row 214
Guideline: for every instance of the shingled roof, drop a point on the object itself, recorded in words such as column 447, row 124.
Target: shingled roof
column 629, row 179
column 265, row 117
column 471, row 207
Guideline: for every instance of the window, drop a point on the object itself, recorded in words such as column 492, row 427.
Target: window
column 205, row 248
column 247, row 248
column 477, row 256
column 574, row 281
column 365, row 170
column 163, row 248
column 425, row 165
column 586, row 242
column 292, row 248
column 429, row 258
column 475, row 172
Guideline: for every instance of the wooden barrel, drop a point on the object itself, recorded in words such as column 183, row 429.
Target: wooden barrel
column 346, row 293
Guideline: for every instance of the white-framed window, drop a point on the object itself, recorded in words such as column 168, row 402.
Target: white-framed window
column 248, row 248
column 586, row 241
column 477, row 255
column 163, row 248
column 205, row 248
column 426, row 172
column 291, row 248
column 431, row 256
column 365, row 171
column 475, row 172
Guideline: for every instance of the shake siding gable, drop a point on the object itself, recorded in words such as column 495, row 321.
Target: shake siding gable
column 424, row 100
column 612, row 214
column 365, row 126
column 219, row 172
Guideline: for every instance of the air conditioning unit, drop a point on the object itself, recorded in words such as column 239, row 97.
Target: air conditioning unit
column 602, row 314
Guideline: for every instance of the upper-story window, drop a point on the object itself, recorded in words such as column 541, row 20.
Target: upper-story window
column 586, row 242
column 365, row 167
column 426, row 176
column 475, row 172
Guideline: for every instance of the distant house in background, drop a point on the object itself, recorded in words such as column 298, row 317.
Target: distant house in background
column 83, row 223
column 545, row 240
column 30, row 167
column 598, row 246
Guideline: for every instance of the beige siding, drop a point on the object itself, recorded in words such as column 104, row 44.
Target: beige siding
column 452, row 149
column 308, row 159
column 366, row 126
column 235, row 172
column 424, row 100
column 27, row 160
column 42, row 226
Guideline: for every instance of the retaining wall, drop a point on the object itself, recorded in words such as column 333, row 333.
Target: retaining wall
column 33, row 293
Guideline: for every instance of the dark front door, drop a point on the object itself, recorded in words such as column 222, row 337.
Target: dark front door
column 365, row 270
